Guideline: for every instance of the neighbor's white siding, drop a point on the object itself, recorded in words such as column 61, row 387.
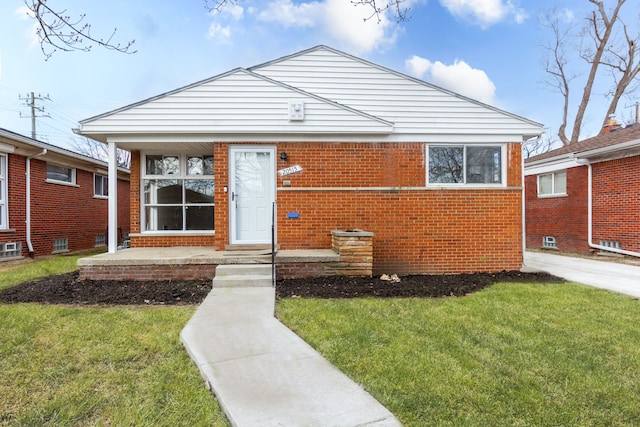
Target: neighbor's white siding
column 413, row 106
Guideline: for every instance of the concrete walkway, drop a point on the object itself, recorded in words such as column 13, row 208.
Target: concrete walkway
column 265, row 375
column 613, row 276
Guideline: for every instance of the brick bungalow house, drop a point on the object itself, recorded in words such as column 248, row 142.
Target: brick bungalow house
column 585, row 197
column 53, row 200
column 333, row 142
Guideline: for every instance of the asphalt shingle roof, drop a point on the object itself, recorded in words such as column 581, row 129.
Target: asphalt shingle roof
column 613, row 137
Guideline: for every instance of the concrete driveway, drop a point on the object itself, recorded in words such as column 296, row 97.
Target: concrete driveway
column 613, row 276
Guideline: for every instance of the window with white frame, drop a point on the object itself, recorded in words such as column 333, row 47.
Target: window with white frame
column 61, row 173
column 552, row 184
column 100, row 185
column 177, row 192
column 465, row 164
column 3, row 193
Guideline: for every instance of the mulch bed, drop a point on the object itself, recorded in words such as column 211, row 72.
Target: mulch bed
column 67, row 289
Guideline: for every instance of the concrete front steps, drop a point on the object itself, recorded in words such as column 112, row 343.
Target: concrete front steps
column 243, row 276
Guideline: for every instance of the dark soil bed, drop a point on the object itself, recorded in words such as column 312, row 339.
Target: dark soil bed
column 67, row 289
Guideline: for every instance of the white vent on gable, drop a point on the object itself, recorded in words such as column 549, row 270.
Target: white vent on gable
column 296, row 111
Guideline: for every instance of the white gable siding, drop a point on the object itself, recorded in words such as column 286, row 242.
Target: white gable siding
column 413, row 106
column 238, row 102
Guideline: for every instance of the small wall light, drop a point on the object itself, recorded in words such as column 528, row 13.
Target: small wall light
column 283, row 156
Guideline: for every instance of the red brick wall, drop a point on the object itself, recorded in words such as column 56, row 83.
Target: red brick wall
column 563, row 217
column 616, row 202
column 416, row 230
column 58, row 211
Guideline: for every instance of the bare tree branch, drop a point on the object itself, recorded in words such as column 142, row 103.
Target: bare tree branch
column 605, row 44
column 59, row 31
column 99, row 151
column 377, row 7
column 555, row 64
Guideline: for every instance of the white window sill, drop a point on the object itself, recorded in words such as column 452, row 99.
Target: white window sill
column 176, row 233
column 551, row 196
column 95, row 196
column 68, row 184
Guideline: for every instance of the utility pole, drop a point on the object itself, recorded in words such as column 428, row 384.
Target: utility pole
column 30, row 101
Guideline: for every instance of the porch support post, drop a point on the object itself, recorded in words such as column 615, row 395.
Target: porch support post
column 113, row 197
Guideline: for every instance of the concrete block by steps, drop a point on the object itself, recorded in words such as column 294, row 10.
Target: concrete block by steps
column 242, row 275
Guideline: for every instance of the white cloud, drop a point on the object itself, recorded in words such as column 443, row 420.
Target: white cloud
column 219, row 34
column 458, row 77
column 288, row 14
column 339, row 19
column 24, row 13
column 485, row 12
column 235, row 10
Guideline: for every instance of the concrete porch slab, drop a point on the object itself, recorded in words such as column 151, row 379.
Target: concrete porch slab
column 200, row 255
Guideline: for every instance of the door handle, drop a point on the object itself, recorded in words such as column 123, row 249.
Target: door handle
column 233, row 196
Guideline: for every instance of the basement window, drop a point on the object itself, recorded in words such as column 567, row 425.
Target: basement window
column 61, row 245
column 10, row 249
column 100, row 240
column 549, row 242
column 611, row 244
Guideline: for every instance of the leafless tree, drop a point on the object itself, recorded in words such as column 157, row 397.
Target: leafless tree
column 376, row 7
column 605, row 45
column 98, row 150
column 57, row 30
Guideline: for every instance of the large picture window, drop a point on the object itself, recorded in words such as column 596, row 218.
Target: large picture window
column 177, row 192
column 3, row 193
column 465, row 164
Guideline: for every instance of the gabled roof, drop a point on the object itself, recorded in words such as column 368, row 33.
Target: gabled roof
column 619, row 140
column 342, row 95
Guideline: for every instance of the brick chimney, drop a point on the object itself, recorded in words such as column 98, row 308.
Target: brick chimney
column 611, row 124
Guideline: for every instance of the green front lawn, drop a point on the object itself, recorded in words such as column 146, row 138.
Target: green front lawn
column 87, row 366
column 513, row 354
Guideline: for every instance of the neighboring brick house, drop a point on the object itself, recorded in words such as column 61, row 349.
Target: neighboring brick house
column 337, row 143
column 585, row 197
column 53, row 200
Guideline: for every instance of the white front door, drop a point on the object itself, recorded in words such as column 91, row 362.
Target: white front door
column 251, row 194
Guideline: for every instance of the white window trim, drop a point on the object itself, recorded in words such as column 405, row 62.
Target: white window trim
column 4, row 188
column 503, row 167
column 181, row 176
column 72, row 183
column 553, row 185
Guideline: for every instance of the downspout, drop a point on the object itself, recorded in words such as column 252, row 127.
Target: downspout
column 28, row 200
column 590, row 220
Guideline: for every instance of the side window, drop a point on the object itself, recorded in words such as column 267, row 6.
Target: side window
column 465, row 164
column 61, row 173
column 3, row 193
column 552, row 184
column 100, row 186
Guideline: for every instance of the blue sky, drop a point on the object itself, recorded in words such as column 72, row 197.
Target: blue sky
column 489, row 50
